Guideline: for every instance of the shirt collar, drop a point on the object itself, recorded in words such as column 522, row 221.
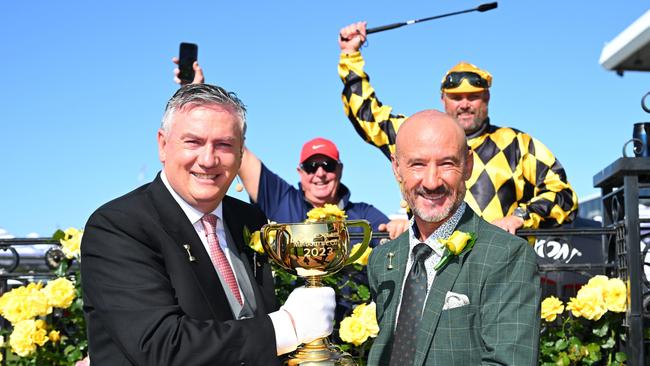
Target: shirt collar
column 443, row 232
column 192, row 213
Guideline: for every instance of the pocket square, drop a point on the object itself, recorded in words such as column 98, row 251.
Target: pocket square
column 454, row 300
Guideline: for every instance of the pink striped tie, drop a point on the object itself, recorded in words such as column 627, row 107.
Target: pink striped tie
column 219, row 259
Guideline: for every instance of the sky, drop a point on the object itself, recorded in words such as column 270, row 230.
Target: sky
column 86, row 82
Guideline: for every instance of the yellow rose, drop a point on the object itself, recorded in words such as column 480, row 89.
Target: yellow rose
column 616, row 295
column 353, row 331
column 71, row 242
column 60, row 292
column 551, row 308
column 25, row 302
column 363, row 259
column 456, row 242
column 54, row 336
column 599, row 281
column 328, row 212
column 27, row 334
column 589, row 303
column 367, row 314
column 256, row 243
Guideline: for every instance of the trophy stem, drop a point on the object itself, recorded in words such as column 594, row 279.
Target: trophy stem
column 313, row 281
column 319, row 352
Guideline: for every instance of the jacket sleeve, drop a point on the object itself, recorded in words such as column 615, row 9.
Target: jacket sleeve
column 372, row 120
column 510, row 313
column 553, row 202
column 130, row 301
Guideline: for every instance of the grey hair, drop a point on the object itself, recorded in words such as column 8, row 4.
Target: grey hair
column 196, row 95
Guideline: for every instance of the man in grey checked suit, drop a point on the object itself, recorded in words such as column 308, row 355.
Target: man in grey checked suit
column 482, row 306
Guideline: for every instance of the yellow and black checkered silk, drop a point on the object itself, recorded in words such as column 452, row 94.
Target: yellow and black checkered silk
column 511, row 169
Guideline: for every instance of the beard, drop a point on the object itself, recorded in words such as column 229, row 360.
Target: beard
column 440, row 213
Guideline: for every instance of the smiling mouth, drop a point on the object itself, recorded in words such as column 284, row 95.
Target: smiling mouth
column 434, row 197
column 204, row 176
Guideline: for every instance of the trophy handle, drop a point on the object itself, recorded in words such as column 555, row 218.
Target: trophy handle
column 367, row 235
column 265, row 232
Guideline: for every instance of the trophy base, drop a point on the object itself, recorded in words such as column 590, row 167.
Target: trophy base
column 319, row 353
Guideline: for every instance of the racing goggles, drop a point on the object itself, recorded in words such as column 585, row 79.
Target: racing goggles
column 455, row 78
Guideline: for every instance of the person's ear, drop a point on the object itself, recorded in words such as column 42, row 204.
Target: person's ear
column 161, row 146
column 469, row 164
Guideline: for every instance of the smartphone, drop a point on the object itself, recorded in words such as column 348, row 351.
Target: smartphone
column 187, row 54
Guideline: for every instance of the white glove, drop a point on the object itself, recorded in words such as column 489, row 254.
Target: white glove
column 312, row 312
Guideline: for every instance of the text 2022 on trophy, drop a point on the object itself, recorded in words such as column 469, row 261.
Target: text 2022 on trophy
column 312, row 250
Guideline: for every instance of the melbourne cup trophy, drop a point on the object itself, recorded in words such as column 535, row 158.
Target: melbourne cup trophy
column 312, row 250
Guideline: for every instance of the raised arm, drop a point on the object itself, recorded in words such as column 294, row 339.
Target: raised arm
column 372, row 120
column 249, row 172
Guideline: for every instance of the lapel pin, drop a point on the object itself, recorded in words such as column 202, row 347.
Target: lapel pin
column 189, row 254
column 390, row 260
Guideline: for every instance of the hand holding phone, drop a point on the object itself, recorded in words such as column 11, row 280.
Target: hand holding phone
column 188, row 53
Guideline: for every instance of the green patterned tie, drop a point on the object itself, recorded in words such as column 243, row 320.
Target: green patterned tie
column 410, row 313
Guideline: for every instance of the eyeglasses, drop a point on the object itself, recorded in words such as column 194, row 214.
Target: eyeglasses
column 310, row 167
column 453, row 80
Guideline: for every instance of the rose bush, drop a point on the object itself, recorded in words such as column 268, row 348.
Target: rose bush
column 588, row 329
column 47, row 323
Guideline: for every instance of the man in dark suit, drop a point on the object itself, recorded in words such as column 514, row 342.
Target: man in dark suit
column 479, row 306
column 167, row 276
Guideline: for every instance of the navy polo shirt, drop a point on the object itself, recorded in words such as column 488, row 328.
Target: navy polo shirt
column 284, row 203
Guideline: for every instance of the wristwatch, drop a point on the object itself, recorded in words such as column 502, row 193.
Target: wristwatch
column 521, row 213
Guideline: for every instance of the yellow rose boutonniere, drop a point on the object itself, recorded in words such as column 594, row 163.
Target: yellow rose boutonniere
column 253, row 240
column 457, row 243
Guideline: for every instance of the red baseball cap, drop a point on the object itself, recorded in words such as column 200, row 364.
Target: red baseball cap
column 319, row 146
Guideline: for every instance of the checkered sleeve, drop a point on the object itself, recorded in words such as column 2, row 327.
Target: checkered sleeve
column 372, row 120
column 510, row 306
column 554, row 201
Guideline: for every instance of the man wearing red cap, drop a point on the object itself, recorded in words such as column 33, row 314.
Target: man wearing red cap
column 320, row 170
column 516, row 181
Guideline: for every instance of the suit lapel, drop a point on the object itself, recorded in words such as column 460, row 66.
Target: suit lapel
column 443, row 283
column 175, row 223
column 391, row 278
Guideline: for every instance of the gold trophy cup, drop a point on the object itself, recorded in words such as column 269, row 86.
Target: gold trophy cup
column 312, row 250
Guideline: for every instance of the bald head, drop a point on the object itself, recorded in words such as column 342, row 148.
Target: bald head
column 429, row 127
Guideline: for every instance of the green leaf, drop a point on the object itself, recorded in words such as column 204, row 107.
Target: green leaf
column 58, row 235
column 247, row 235
column 561, row 344
column 364, row 293
column 593, row 354
column 609, row 343
column 620, row 357
column 602, row 330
